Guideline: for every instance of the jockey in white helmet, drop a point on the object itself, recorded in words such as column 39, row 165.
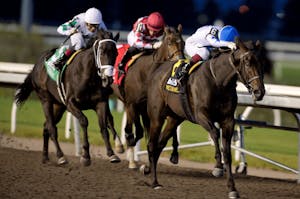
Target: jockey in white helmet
column 80, row 30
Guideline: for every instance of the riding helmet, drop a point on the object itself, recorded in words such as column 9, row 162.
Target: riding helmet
column 155, row 21
column 93, row 16
column 228, row 33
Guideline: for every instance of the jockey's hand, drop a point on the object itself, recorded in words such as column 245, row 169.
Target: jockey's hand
column 157, row 44
column 73, row 31
column 232, row 46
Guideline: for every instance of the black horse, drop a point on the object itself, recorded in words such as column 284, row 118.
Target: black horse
column 211, row 98
column 136, row 82
column 86, row 86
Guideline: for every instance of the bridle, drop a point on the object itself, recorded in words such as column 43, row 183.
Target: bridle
column 247, row 83
column 107, row 69
column 178, row 54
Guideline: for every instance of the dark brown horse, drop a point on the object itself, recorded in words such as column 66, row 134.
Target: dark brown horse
column 212, row 98
column 85, row 84
column 136, row 82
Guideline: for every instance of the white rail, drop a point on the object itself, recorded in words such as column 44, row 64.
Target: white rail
column 277, row 97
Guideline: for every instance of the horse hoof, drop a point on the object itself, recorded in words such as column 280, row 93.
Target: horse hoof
column 156, row 187
column 45, row 160
column 132, row 165
column 144, row 169
column 174, row 159
column 62, row 160
column 217, row 172
column 120, row 149
column 85, row 162
column 114, row 159
column 233, row 195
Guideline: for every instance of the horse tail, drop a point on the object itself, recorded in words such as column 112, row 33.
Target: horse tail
column 24, row 90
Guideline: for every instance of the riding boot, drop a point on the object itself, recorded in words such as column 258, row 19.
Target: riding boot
column 184, row 70
column 56, row 59
column 129, row 53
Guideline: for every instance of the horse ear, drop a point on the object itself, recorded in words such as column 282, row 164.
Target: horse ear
column 117, row 36
column 258, row 44
column 179, row 28
column 239, row 43
column 167, row 29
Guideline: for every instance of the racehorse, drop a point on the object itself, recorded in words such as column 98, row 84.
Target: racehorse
column 211, row 98
column 86, row 86
column 135, row 84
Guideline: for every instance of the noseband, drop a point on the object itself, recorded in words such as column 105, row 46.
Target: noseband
column 247, row 83
column 97, row 53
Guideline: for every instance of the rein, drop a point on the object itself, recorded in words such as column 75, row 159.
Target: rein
column 247, row 83
column 179, row 53
column 97, row 53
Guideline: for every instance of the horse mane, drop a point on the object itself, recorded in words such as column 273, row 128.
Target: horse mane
column 101, row 34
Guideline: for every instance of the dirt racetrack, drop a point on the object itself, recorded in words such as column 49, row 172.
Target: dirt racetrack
column 22, row 175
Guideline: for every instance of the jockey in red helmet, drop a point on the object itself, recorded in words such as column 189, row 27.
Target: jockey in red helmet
column 145, row 35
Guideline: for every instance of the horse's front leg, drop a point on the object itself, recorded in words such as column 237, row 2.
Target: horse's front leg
column 102, row 110
column 154, row 151
column 118, row 144
column 218, row 171
column 128, row 128
column 227, row 133
column 83, row 121
column 45, row 144
column 171, row 128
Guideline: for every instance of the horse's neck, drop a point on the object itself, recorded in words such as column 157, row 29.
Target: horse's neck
column 221, row 69
column 161, row 54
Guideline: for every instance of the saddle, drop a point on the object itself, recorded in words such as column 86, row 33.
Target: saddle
column 122, row 49
column 172, row 84
column 57, row 75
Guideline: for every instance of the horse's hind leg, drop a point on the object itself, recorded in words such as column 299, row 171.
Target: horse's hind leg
column 102, row 111
column 51, row 130
column 118, row 144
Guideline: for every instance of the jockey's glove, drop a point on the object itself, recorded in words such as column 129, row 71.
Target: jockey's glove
column 232, row 46
column 156, row 45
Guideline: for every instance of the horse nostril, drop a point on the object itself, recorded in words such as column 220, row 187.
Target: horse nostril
column 258, row 95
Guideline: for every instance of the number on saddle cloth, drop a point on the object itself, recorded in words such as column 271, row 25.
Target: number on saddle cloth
column 172, row 84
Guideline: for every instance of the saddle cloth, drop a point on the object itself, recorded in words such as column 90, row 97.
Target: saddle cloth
column 122, row 49
column 53, row 73
column 172, row 84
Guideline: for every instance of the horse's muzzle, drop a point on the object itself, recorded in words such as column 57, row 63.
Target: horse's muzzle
column 258, row 94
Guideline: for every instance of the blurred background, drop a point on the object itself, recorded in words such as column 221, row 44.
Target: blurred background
column 255, row 19
column 28, row 27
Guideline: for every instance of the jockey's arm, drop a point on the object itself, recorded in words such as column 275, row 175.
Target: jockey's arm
column 141, row 42
column 68, row 28
column 215, row 42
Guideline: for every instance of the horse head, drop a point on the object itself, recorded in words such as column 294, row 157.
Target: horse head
column 249, row 67
column 105, row 53
column 172, row 47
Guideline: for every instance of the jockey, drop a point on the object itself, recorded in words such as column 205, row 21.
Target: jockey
column 145, row 35
column 80, row 30
column 198, row 45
